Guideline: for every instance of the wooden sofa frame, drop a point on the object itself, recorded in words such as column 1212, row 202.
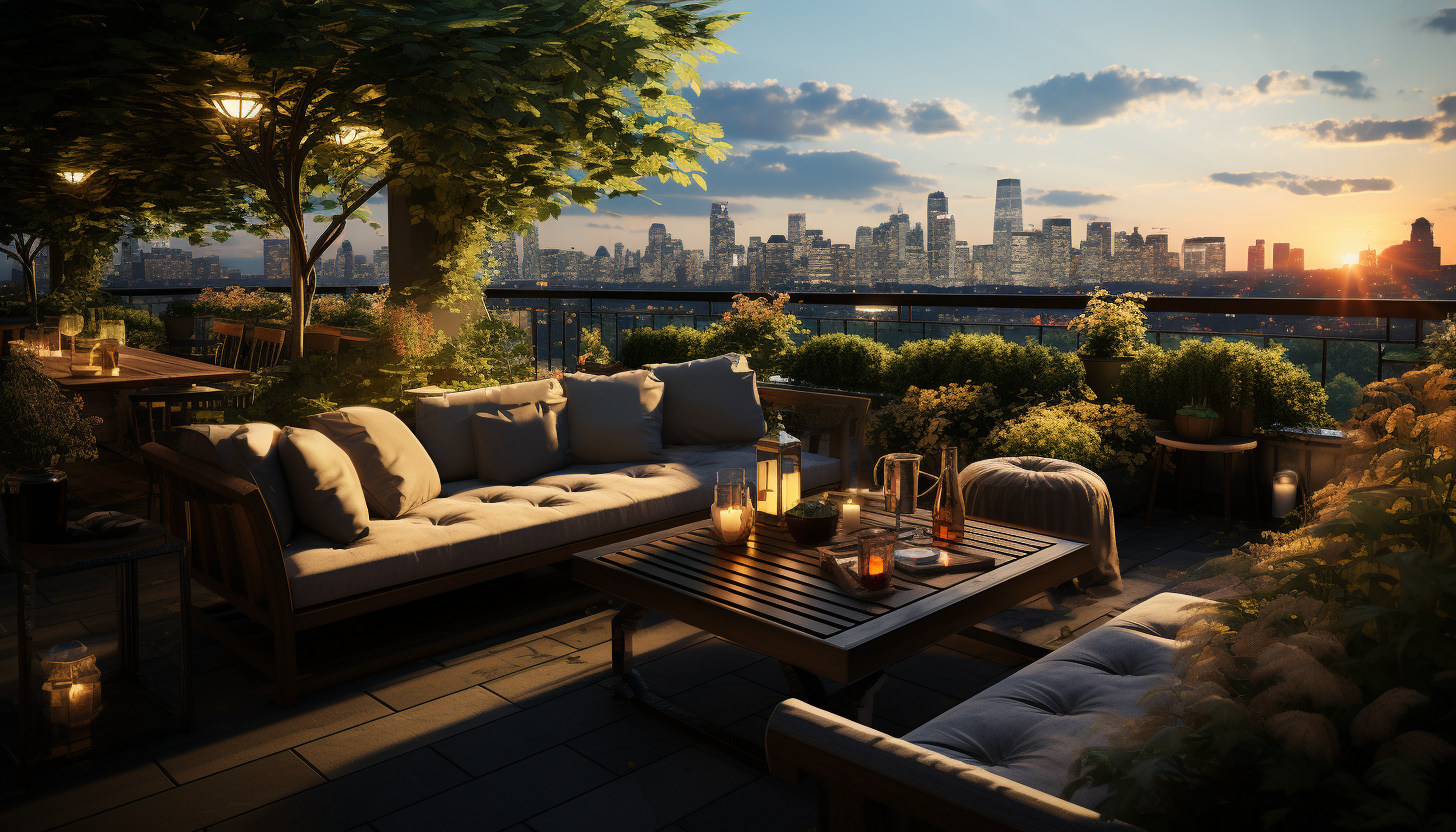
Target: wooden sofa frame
column 236, row 554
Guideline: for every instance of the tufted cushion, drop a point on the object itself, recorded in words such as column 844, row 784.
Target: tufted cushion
column 1030, row 726
column 323, row 486
column 443, row 422
column 474, row 523
column 516, row 443
column 1047, row 495
column 396, row 472
column 710, row 401
column 614, row 418
column 248, row 452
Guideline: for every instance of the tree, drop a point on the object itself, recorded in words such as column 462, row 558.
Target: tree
column 1345, row 395
column 489, row 115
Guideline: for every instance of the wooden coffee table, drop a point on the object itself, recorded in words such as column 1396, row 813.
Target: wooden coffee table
column 768, row 595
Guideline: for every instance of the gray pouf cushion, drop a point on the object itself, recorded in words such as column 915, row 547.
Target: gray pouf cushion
column 1047, row 495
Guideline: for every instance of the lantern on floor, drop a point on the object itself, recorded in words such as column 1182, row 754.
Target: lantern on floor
column 72, row 685
column 1286, row 492
column 777, row 477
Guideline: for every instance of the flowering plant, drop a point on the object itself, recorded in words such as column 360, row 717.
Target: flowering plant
column 1112, row 327
column 957, row 414
column 1441, row 344
column 1104, row 437
column 238, row 304
column 758, row 328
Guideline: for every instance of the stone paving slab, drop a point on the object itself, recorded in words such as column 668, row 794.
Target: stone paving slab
column 629, row 744
column 78, row 799
column 517, row 736
column 433, row 682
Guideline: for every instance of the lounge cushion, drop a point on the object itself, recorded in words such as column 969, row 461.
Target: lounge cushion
column 513, row 444
column 1030, row 726
column 474, row 523
column 325, row 489
column 443, row 422
column 614, row 418
column 248, row 452
column 394, row 469
column 710, row 401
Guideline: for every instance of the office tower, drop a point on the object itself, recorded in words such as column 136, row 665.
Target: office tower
column 982, row 260
column 899, row 232
column 693, row 262
column 618, row 263
column 1256, row 257
column 797, row 225
column 381, row 264
column 842, row 267
column 1296, row 260
column 1057, row 250
column 531, row 255
column 1419, row 253
column 1204, row 256
column 778, row 262
column 820, row 259
column 1024, row 264
column 1281, row 258
column 1369, row 259
column 940, row 245
column 960, row 267
column 507, row 261
column 721, row 235
column 344, row 261
column 1008, row 210
column 275, row 260
column 655, row 257
column 864, row 255
column 1157, row 254
column 206, row 268
column 915, row 238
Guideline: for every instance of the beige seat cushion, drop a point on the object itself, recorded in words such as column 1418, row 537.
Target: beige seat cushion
column 325, row 489
column 475, row 523
column 248, row 452
column 614, row 418
column 443, row 422
column 710, row 401
column 516, row 443
column 396, row 472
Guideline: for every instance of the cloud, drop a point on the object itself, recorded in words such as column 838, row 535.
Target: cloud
column 974, row 196
column 1303, row 185
column 1281, row 81
column 882, row 208
column 1440, row 127
column 812, row 174
column 773, row 112
column 1443, row 22
column 1346, row 83
column 1069, row 199
column 605, row 225
column 1080, row 100
column 672, row 201
column 1090, row 217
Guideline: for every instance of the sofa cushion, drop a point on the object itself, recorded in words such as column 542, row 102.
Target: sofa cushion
column 1030, row 726
column 443, row 422
column 614, row 418
column 710, row 401
column 248, row 452
column 325, row 489
column 516, row 443
column 474, row 523
column 394, row 469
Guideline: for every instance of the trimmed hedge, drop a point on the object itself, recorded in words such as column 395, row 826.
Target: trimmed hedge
column 1027, row 371
column 669, row 345
column 837, row 360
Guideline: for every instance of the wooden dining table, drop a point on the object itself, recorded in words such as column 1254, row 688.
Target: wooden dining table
column 140, row 368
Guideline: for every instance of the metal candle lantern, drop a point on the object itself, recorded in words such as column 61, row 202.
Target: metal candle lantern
column 777, row 481
column 1286, row 492
column 732, row 516
column 876, row 559
column 72, row 685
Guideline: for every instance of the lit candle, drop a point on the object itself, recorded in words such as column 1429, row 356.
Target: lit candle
column 792, row 493
column 849, row 515
column 875, row 575
column 1284, row 497
column 728, row 522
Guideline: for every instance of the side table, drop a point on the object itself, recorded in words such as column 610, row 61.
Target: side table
column 1226, row 445
column 131, row 708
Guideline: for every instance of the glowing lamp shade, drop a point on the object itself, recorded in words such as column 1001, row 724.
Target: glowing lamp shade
column 75, row 177
column 348, row 135
column 72, row 685
column 776, row 481
column 237, row 105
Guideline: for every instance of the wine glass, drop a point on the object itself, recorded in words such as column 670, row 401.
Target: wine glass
column 71, row 326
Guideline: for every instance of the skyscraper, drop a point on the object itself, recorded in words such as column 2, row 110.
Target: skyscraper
column 1008, row 210
column 798, row 224
column 275, row 260
column 1281, row 258
column 864, row 255
column 531, row 255
column 656, row 256
column 778, row 265
column 1256, row 257
column 1056, row 236
column 1204, row 256
column 1420, row 252
column 506, row 258
column 721, row 236
column 1296, row 260
column 381, row 264
column 940, row 242
column 345, row 260
column 1157, row 251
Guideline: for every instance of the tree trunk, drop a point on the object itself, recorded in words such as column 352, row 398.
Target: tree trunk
column 32, row 291
column 299, row 274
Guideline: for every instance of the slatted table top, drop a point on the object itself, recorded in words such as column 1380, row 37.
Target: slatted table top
column 770, row 596
column 141, row 368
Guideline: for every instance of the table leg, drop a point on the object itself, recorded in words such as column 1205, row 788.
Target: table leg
column 1228, row 492
column 24, row 629
column 1157, row 470
column 128, row 617
column 624, row 625
column 1181, row 464
column 184, row 570
column 1254, row 490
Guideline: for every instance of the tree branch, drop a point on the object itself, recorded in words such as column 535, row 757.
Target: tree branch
column 336, row 228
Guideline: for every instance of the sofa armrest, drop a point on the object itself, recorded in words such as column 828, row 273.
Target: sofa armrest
column 851, row 762
column 848, row 415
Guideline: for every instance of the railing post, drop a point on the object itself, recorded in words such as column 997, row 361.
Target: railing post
column 1325, row 360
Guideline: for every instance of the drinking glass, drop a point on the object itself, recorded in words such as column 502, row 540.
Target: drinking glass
column 71, row 326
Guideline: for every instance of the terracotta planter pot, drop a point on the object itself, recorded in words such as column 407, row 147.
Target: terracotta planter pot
column 1102, row 375
column 1241, row 422
column 1198, row 428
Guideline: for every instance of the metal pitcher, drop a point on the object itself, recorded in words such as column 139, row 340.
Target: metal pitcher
column 902, row 482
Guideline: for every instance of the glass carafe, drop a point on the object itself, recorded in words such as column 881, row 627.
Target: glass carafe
column 949, row 514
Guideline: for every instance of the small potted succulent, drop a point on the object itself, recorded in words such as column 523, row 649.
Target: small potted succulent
column 1114, row 330
column 1197, row 422
column 39, row 426
column 812, row 522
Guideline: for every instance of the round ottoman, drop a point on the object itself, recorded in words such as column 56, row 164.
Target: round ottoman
column 1047, row 495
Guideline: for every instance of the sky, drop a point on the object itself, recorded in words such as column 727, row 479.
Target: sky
column 1322, row 124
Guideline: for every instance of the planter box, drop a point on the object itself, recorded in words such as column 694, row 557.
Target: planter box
column 188, row 327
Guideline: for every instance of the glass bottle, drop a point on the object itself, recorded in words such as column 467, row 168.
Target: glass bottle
column 950, row 505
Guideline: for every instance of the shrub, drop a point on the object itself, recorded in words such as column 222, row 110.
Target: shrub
column 590, row 348
column 39, row 424
column 238, row 304
column 847, row 362
column 357, row 311
column 1227, row 374
column 1112, row 327
column 1441, row 345
column 758, row 328
column 1344, row 393
column 1026, row 372
column 669, row 345
column 924, row 420
column 143, row 330
column 1045, row 431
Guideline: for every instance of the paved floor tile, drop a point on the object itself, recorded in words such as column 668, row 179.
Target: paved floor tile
column 506, row 797
column 946, row 671
column 432, row 683
column 648, row 798
column 520, row 735
column 908, row 704
column 588, row 631
column 209, row 800
column 356, row 799
column 631, row 743
column 724, row 701
column 275, row 731
column 80, row 798
column 761, row 806
column 393, row 735
column 556, row 677
column 687, row 668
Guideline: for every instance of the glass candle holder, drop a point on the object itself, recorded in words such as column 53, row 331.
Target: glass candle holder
column 876, row 559
column 72, row 685
column 732, row 515
column 93, row 357
column 112, row 330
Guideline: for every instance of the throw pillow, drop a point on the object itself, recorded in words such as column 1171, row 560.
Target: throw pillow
column 327, row 495
column 248, row 452
column 394, row 468
column 614, row 418
column 443, row 423
column 710, row 401
column 513, row 444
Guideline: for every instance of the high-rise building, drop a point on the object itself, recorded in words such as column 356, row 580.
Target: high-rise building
column 798, row 224
column 841, row 259
column 618, row 263
column 1369, row 259
column 531, row 255
column 275, row 260
column 778, row 262
column 940, row 242
column 1256, row 257
column 864, row 255
column 1056, row 236
column 1419, row 253
column 820, row 259
column 1008, row 210
column 1281, row 258
column 1204, row 256
column 982, row 259
column 657, row 257
column 1025, row 265
column 381, row 264
column 1157, row 254
column 1296, row 260
column 961, row 264
column 344, row 260
column 508, row 263
column 721, row 236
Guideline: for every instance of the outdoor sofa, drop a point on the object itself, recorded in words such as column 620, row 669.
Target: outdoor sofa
column 489, row 483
